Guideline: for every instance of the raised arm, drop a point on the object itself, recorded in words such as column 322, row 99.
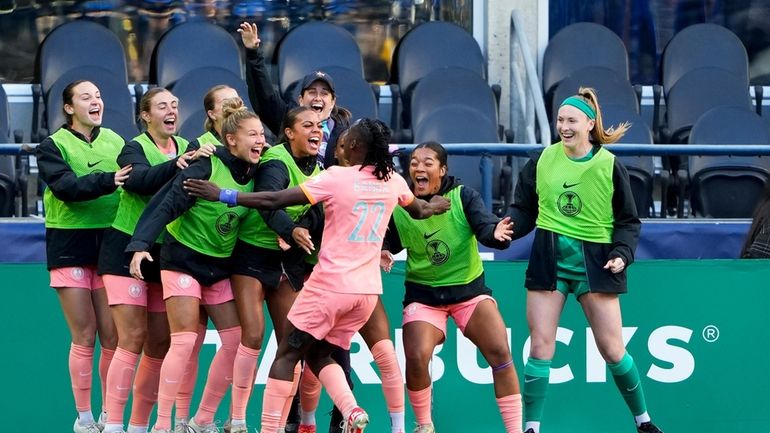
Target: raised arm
column 420, row 209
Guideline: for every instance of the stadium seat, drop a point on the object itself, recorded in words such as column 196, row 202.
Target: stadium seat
column 704, row 46
column 602, row 48
column 193, row 86
column 430, row 46
column 118, row 105
column 11, row 181
column 457, row 123
column 641, row 169
column 312, row 46
column 190, row 46
column 452, row 85
column 728, row 186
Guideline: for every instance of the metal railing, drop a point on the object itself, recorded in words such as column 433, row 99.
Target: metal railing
column 526, row 99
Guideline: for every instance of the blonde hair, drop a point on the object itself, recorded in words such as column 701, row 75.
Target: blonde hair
column 599, row 134
column 234, row 111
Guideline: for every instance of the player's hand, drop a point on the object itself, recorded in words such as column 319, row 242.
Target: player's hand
column 615, row 265
column 135, row 268
column 121, row 175
column 302, row 238
column 504, row 229
column 440, row 204
column 184, row 159
column 202, row 189
column 283, row 245
column 249, row 35
column 386, row 260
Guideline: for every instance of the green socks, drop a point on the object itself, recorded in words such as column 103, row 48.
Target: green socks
column 536, row 374
column 627, row 380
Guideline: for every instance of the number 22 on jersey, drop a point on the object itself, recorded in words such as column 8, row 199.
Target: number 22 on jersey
column 369, row 215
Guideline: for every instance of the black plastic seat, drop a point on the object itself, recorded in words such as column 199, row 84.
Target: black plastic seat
column 430, row 46
column 611, row 88
column 641, row 169
column 452, row 85
column 562, row 58
column 190, row 46
column 704, row 46
column 193, row 86
column 316, row 45
column 728, row 186
column 457, row 123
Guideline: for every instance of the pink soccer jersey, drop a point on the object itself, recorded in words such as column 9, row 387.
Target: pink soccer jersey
column 357, row 208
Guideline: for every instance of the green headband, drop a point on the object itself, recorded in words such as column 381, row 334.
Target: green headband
column 580, row 104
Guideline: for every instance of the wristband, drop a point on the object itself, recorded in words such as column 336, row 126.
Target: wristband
column 228, row 196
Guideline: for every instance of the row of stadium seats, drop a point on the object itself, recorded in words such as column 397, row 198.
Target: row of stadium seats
column 439, row 78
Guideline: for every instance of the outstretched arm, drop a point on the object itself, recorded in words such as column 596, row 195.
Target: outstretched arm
column 269, row 200
column 420, row 209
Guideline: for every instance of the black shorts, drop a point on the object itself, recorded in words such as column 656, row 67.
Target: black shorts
column 72, row 247
column 114, row 260
column 268, row 266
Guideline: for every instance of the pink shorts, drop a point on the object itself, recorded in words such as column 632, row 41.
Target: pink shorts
column 179, row 284
column 84, row 277
column 334, row 317
column 130, row 291
column 437, row 316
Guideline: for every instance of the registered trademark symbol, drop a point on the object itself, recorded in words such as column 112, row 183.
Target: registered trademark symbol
column 710, row 333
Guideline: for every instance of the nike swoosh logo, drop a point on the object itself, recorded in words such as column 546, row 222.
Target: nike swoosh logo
column 123, row 388
column 569, row 185
column 532, row 379
column 83, row 374
column 93, row 164
column 428, row 236
column 170, row 381
column 635, row 386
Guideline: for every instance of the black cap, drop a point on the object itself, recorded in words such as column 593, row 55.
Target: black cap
column 317, row 76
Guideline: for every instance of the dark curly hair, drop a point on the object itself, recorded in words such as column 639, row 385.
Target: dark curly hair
column 376, row 135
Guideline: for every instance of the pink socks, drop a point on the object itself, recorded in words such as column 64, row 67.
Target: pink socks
column 145, row 390
column 171, row 373
column 244, row 369
column 120, row 377
column 220, row 375
column 81, row 369
column 333, row 379
column 105, row 358
column 392, row 382
column 421, row 405
column 276, row 393
column 510, row 409
column 185, row 392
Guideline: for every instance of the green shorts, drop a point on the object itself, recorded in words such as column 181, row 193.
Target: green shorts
column 567, row 286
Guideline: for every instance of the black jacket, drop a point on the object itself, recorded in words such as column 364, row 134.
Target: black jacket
column 541, row 272
column 272, row 108
column 71, row 247
column 147, row 179
column 482, row 223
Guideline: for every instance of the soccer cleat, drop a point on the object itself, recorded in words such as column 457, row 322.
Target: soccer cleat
column 101, row 421
column 90, row 427
column 306, row 428
column 206, row 428
column 648, row 427
column 180, row 427
column 424, row 428
column 356, row 421
column 529, row 430
column 227, row 425
column 239, row 428
column 162, row 430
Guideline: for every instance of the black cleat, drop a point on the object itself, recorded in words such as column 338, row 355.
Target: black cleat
column 648, row 427
column 529, row 430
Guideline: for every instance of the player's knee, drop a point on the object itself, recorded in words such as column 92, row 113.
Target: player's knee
column 541, row 348
column 497, row 354
column 417, row 358
column 251, row 339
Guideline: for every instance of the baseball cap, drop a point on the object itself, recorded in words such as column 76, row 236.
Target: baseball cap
column 317, row 76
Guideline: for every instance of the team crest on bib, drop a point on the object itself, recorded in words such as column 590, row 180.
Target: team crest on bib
column 78, row 273
column 185, row 281
column 569, row 203
column 134, row 291
column 226, row 222
column 437, row 251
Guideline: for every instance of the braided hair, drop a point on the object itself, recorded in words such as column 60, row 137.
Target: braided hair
column 376, row 135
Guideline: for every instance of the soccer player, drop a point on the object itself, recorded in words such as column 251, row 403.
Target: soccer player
column 343, row 288
column 579, row 197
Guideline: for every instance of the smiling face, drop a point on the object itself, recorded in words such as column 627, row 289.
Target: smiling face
column 162, row 117
column 426, row 171
column 319, row 97
column 248, row 140
column 574, row 129
column 341, row 152
column 86, row 108
column 305, row 134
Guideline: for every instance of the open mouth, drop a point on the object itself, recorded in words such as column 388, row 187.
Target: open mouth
column 317, row 107
column 315, row 142
column 421, row 182
column 95, row 112
column 255, row 152
column 170, row 121
column 567, row 135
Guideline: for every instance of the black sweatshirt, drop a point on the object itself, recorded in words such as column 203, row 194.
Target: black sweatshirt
column 147, row 179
